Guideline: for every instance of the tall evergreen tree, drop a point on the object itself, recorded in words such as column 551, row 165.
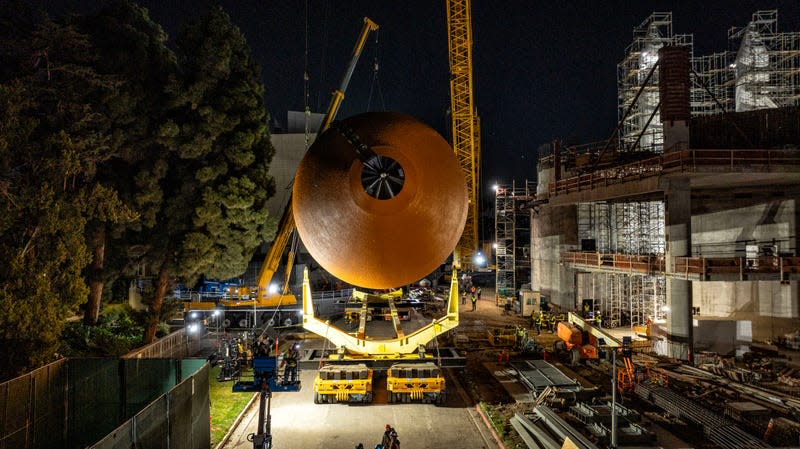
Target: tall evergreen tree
column 137, row 110
column 51, row 138
column 215, row 192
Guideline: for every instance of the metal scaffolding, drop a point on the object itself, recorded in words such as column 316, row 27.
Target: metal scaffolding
column 629, row 300
column 763, row 73
column 512, row 238
column 505, row 242
column 624, row 228
column 713, row 85
column 767, row 65
column 640, row 57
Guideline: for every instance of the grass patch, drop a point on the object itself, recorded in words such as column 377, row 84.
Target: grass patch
column 225, row 405
column 495, row 418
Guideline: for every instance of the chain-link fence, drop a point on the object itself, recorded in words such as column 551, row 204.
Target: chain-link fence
column 77, row 402
column 178, row 419
column 175, row 345
column 32, row 411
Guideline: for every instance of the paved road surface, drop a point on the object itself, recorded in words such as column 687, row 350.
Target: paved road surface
column 298, row 423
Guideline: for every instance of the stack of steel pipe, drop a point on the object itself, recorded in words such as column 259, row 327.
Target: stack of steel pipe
column 718, row 429
column 560, row 427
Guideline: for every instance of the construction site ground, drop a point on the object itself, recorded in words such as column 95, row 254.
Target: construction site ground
column 481, row 397
column 496, row 384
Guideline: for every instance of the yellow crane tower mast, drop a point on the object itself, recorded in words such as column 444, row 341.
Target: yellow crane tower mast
column 466, row 125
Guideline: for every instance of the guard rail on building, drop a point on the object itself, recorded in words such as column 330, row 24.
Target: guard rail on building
column 701, row 268
column 743, row 267
column 689, row 161
column 624, row 262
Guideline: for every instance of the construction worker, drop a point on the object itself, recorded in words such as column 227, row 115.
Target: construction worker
column 463, row 297
column 598, row 319
column 586, row 310
column 478, row 293
column 474, row 301
column 290, row 358
column 390, row 440
column 537, row 322
column 553, row 322
column 520, row 337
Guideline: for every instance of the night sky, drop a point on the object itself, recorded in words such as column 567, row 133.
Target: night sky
column 542, row 69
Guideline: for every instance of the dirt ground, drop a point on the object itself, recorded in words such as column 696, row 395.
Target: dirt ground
column 471, row 337
column 484, row 387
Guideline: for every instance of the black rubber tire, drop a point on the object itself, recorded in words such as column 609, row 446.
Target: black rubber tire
column 316, row 398
column 391, row 397
column 440, row 399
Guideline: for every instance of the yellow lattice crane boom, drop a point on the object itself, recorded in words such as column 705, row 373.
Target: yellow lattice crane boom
column 465, row 122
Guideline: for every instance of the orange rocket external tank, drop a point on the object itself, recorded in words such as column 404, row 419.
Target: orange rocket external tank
column 380, row 200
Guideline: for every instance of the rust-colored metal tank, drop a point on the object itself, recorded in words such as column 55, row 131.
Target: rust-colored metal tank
column 380, row 200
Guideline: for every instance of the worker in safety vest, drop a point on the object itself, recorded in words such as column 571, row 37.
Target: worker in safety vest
column 598, row 319
column 553, row 323
column 537, row 322
column 290, row 358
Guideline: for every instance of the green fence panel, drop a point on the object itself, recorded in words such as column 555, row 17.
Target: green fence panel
column 201, row 409
column 32, row 409
column 180, row 414
column 49, row 417
column 94, row 400
column 151, row 428
column 145, row 380
column 120, row 438
column 189, row 367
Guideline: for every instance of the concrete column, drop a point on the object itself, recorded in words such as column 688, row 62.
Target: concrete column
column 554, row 229
column 678, row 233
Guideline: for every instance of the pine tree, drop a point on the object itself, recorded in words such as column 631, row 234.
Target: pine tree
column 50, row 138
column 215, row 192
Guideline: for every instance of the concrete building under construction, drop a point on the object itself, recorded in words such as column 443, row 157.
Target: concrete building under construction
column 687, row 217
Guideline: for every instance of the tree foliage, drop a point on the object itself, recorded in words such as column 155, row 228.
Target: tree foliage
column 51, row 133
column 214, row 213
column 118, row 151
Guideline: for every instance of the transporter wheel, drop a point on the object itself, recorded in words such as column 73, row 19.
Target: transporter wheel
column 226, row 323
column 440, row 399
column 317, row 398
column 391, row 397
column 368, row 398
column 288, row 321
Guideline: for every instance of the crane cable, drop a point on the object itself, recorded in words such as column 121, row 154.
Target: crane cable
column 325, row 15
column 306, row 78
column 375, row 80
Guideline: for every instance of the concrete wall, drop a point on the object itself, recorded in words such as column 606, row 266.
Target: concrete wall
column 772, row 307
column 289, row 151
column 722, row 336
column 554, row 229
column 721, row 226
